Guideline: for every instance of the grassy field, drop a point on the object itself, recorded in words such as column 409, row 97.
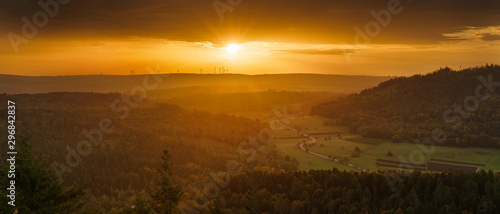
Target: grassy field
column 329, row 143
column 306, row 161
column 364, row 140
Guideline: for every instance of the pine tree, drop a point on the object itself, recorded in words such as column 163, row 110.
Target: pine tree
column 281, row 204
column 140, row 205
column 38, row 189
column 252, row 201
column 165, row 196
column 217, row 208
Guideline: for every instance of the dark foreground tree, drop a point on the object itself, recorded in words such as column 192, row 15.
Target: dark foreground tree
column 140, row 205
column 216, row 208
column 162, row 198
column 38, row 189
column 165, row 195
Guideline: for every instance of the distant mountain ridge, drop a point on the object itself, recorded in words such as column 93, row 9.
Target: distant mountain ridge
column 12, row 84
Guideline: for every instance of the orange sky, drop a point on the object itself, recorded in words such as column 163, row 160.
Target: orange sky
column 335, row 37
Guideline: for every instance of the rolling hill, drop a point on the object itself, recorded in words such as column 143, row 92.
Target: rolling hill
column 188, row 83
column 464, row 104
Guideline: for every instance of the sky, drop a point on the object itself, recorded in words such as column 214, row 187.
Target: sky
column 359, row 37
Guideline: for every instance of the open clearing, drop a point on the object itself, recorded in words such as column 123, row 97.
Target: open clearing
column 337, row 142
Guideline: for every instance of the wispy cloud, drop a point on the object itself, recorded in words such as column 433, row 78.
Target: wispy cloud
column 490, row 37
column 319, row 52
column 490, row 33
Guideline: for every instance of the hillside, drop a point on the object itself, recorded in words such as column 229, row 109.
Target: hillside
column 195, row 83
column 461, row 103
column 124, row 161
column 260, row 102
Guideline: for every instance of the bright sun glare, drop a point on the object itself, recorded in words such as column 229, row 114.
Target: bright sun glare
column 233, row 48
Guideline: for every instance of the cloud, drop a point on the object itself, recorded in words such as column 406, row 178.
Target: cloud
column 489, row 37
column 320, row 21
column 319, row 52
column 490, row 33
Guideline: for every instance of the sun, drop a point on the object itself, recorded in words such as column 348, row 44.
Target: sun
column 233, row 48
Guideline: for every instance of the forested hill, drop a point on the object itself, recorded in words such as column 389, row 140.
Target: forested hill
column 123, row 161
column 464, row 103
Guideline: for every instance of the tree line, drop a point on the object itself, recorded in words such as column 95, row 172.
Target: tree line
column 313, row 191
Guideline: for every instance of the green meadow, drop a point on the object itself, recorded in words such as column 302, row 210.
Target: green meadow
column 339, row 143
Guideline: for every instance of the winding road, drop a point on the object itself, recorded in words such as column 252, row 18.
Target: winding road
column 313, row 140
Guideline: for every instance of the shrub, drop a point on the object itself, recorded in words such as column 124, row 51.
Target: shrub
column 357, row 149
column 390, row 154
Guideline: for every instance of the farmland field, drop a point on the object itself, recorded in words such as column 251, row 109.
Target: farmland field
column 339, row 143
